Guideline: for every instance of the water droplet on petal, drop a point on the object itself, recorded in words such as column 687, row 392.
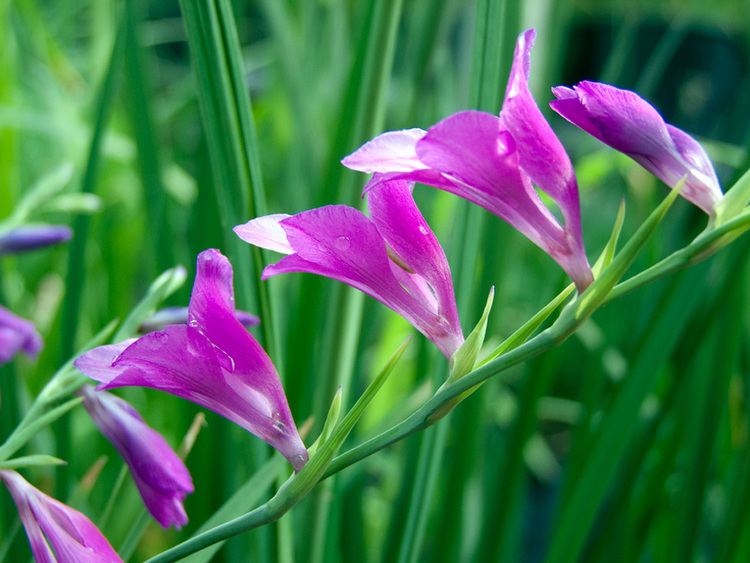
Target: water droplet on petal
column 276, row 422
column 423, row 229
column 342, row 243
column 193, row 323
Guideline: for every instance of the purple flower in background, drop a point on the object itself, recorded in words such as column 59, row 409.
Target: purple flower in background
column 212, row 361
column 23, row 239
column 17, row 335
column 493, row 161
column 628, row 123
column 179, row 315
column 392, row 256
column 56, row 532
column 160, row 475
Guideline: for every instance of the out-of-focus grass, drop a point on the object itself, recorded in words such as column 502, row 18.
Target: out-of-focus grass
column 629, row 441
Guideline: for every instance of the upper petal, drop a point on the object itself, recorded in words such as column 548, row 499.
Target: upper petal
column 403, row 227
column 393, row 151
column 211, row 311
column 541, row 155
column 472, row 150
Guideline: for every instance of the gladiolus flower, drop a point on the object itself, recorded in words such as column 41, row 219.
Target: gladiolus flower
column 179, row 315
column 392, row 256
column 629, row 124
column 17, row 335
column 493, row 161
column 160, row 475
column 23, row 239
column 213, row 361
column 56, row 531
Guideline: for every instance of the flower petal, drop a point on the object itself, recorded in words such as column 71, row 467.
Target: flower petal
column 160, row 475
column 471, row 149
column 393, row 151
column 213, row 361
column 341, row 243
column 16, row 335
column 541, row 155
column 56, row 531
column 32, row 237
column 403, row 227
column 266, row 232
column 629, row 124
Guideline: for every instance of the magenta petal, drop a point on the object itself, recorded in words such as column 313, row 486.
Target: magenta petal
column 160, row 475
column 179, row 315
column 341, row 243
column 542, row 157
column 213, row 361
column 471, row 149
column 17, row 335
column 629, row 124
column 540, row 153
column 406, row 232
column 393, row 151
column 56, row 531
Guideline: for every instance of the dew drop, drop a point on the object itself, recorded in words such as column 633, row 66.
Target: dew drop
column 193, row 323
column 342, row 243
column 422, row 229
column 276, row 422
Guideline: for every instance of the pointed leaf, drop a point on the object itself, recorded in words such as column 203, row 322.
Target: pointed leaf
column 734, row 201
column 35, row 460
column 465, row 358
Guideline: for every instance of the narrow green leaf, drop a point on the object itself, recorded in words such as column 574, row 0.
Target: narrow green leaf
column 610, row 249
column 465, row 358
column 36, row 460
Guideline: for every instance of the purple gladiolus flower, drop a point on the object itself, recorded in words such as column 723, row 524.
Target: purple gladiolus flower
column 392, row 256
column 493, row 161
column 56, row 532
column 179, row 315
column 212, row 361
column 17, row 335
column 629, row 124
column 160, row 475
column 23, row 239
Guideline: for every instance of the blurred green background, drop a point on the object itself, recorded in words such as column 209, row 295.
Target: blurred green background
column 627, row 443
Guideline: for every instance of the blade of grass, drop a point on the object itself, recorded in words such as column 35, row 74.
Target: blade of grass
column 136, row 96
column 75, row 279
column 617, row 427
column 368, row 87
